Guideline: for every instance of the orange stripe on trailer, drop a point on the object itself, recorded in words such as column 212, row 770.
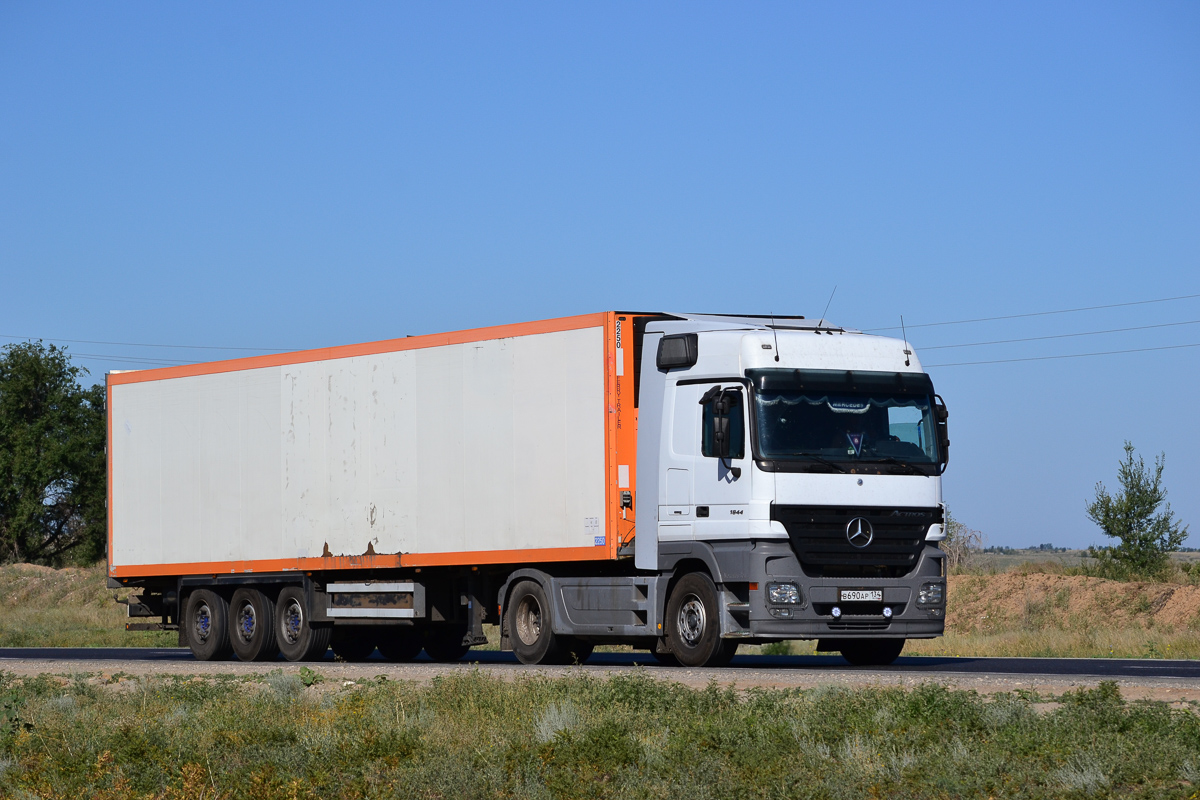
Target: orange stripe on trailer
column 367, row 561
column 364, row 349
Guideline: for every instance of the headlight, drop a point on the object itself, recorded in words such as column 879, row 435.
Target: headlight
column 779, row 594
column 930, row 595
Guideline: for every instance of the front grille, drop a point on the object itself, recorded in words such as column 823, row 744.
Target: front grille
column 859, row 625
column 818, row 535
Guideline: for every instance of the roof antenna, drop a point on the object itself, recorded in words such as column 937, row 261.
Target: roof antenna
column 775, row 333
column 907, row 352
column 826, row 311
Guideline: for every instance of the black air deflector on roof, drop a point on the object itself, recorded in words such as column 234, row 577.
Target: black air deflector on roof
column 840, row 380
column 678, row 351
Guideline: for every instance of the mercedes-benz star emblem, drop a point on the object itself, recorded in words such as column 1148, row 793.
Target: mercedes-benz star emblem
column 859, row 532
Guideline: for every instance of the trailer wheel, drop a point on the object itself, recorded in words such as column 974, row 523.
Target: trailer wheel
column 529, row 627
column 207, row 618
column 252, row 628
column 445, row 643
column 351, row 644
column 871, row 652
column 694, row 625
column 402, row 645
column 299, row 639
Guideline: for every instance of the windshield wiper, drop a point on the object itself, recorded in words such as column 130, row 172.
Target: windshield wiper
column 820, row 460
column 912, row 470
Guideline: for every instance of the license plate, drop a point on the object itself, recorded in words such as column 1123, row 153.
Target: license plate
column 862, row 595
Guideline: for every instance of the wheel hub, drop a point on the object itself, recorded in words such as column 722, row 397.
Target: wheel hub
column 529, row 621
column 293, row 621
column 246, row 622
column 203, row 622
column 692, row 620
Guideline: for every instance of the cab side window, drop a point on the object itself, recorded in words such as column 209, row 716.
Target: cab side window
column 724, row 412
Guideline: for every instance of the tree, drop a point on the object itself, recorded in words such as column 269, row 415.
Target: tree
column 961, row 543
column 1147, row 536
column 52, row 461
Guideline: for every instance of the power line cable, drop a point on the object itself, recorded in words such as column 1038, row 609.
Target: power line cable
column 1039, row 313
column 129, row 359
column 1063, row 335
column 1073, row 355
column 137, row 344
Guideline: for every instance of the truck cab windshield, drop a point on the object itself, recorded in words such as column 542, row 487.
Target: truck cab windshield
column 838, row 416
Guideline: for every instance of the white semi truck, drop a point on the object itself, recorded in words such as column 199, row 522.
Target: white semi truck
column 681, row 483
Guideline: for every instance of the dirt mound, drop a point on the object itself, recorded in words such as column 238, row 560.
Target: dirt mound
column 1035, row 601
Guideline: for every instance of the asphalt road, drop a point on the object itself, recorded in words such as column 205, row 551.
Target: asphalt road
column 933, row 666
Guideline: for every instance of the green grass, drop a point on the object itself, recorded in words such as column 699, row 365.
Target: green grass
column 473, row 736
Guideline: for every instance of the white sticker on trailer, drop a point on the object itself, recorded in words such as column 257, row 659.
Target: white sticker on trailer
column 620, row 352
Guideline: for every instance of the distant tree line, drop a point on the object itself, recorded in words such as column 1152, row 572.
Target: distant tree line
column 52, row 461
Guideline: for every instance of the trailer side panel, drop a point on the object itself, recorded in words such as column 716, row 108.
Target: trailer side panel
column 440, row 453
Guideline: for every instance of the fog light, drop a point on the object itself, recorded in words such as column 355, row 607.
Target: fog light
column 930, row 595
column 887, row 612
column 779, row 594
column 836, row 612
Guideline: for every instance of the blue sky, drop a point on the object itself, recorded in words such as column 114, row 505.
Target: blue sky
column 301, row 175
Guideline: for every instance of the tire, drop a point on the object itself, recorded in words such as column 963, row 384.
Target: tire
column 299, row 639
column 252, row 626
column 694, row 624
column 529, row 627
column 444, row 644
column 666, row 659
column 872, row 652
column 404, row 644
column 351, row 644
column 575, row 651
column 207, row 618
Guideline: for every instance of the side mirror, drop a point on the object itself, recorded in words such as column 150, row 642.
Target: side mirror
column 941, row 414
column 723, row 402
column 720, row 435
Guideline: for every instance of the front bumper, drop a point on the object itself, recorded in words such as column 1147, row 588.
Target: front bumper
column 751, row 616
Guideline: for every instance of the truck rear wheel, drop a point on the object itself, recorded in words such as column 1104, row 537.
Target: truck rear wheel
column 252, row 628
column 351, row 644
column 207, row 618
column 871, row 652
column 402, row 645
column 529, row 627
column 694, row 623
column 299, row 639
column 446, row 643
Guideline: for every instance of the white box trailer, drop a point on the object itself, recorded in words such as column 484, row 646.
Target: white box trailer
column 401, row 494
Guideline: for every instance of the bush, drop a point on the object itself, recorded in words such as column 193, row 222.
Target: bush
column 1147, row 536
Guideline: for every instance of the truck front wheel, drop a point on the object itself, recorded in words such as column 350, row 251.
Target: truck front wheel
column 872, row 652
column 694, row 623
column 207, row 618
column 299, row 639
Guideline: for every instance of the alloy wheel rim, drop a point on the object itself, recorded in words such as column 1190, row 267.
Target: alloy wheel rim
column 529, row 621
column 692, row 620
